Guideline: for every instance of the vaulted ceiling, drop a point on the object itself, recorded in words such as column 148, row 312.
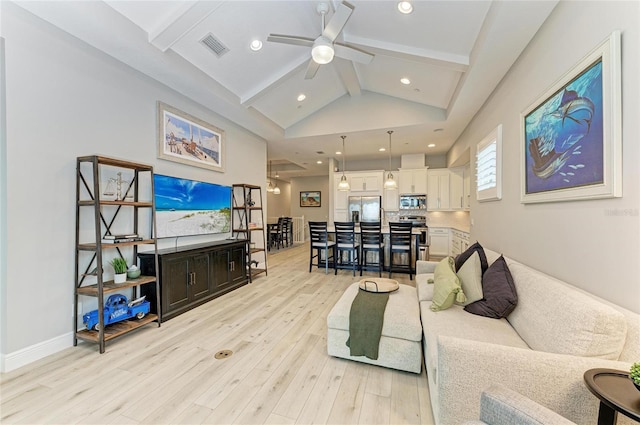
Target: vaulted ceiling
column 453, row 52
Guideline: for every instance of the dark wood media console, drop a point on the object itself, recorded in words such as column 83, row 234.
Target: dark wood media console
column 192, row 275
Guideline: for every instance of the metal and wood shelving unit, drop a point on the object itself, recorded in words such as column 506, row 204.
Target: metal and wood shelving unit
column 97, row 217
column 248, row 223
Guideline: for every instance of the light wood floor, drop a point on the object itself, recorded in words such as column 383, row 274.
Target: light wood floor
column 279, row 372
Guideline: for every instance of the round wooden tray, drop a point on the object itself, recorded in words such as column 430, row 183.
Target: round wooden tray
column 379, row 284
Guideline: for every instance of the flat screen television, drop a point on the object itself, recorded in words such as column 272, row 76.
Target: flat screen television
column 188, row 207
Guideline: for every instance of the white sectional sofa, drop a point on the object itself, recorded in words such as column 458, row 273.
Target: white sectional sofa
column 541, row 350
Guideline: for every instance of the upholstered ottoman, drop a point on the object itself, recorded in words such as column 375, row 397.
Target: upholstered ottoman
column 400, row 344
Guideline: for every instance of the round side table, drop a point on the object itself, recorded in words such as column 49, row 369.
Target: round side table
column 616, row 393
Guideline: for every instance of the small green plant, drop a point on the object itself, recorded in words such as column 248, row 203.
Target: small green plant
column 119, row 265
column 634, row 373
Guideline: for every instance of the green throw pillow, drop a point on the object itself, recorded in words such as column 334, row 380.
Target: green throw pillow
column 470, row 275
column 447, row 287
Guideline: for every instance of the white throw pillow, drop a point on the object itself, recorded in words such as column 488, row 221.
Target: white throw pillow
column 470, row 275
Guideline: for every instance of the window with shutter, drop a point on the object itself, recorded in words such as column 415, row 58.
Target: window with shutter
column 489, row 167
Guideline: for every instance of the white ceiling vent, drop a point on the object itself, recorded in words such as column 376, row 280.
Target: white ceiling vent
column 214, row 45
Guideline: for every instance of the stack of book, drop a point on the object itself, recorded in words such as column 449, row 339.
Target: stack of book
column 131, row 237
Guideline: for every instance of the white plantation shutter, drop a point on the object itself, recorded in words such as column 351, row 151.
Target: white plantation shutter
column 489, row 167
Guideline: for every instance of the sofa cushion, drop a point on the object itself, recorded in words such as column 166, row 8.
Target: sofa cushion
column 463, row 257
column 447, row 287
column 424, row 286
column 553, row 316
column 500, row 296
column 470, row 275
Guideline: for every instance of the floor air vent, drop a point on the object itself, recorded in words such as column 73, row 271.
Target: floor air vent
column 214, row 45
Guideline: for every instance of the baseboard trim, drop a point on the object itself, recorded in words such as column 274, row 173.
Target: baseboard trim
column 23, row 357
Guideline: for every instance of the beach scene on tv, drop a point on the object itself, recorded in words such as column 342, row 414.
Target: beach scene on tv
column 187, row 207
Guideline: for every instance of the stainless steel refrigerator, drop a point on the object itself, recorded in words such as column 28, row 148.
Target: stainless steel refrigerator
column 364, row 208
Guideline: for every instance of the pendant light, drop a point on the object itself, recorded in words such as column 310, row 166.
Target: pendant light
column 343, row 186
column 270, row 184
column 390, row 183
column 276, row 189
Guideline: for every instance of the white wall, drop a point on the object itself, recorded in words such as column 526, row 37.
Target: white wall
column 305, row 184
column 279, row 205
column 595, row 244
column 65, row 99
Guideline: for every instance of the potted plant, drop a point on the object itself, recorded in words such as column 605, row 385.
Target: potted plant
column 120, row 268
column 634, row 374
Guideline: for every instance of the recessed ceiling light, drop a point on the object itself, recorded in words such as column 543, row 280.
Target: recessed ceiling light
column 301, row 97
column 381, row 150
column 405, row 81
column 255, row 45
column 338, row 153
column 405, row 7
column 431, row 145
column 318, row 162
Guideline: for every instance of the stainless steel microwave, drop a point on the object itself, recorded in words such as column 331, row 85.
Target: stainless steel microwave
column 413, row 202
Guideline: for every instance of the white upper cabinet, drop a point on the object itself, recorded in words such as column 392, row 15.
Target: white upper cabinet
column 456, row 187
column 391, row 200
column 412, row 181
column 370, row 182
column 438, row 196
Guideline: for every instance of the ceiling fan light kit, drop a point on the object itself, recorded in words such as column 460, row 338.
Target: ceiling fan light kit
column 322, row 51
column 324, row 47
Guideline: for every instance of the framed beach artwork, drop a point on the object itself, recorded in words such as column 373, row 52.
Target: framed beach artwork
column 310, row 199
column 571, row 136
column 189, row 140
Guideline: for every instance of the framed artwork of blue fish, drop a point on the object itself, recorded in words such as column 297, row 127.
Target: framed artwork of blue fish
column 571, row 147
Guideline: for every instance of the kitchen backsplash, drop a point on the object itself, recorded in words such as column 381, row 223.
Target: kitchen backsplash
column 456, row 219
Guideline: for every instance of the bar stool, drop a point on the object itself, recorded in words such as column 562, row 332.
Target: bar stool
column 371, row 241
column 400, row 243
column 346, row 242
column 321, row 243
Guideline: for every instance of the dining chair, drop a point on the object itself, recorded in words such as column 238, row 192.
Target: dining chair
column 346, row 242
column 276, row 234
column 371, row 241
column 287, row 235
column 400, row 244
column 321, row 244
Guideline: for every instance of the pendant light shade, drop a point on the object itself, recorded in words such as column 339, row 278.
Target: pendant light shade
column 390, row 183
column 343, row 186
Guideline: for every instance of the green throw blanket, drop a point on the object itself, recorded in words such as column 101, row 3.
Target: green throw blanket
column 365, row 323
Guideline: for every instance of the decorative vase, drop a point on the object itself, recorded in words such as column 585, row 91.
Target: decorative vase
column 120, row 278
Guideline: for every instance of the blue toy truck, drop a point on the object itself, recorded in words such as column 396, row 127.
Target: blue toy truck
column 116, row 309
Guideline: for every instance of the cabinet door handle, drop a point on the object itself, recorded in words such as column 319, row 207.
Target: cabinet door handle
column 232, row 266
column 193, row 281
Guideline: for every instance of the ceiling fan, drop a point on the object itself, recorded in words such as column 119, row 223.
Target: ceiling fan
column 324, row 47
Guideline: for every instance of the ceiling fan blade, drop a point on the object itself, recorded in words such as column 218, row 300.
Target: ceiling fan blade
column 353, row 54
column 338, row 21
column 312, row 68
column 291, row 39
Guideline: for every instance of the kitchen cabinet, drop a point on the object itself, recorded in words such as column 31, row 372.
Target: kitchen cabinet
column 466, row 187
column 341, row 199
column 412, row 181
column 438, row 197
column 456, row 188
column 194, row 274
column 438, row 242
column 459, row 242
column 369, row 182
column 391, row 200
